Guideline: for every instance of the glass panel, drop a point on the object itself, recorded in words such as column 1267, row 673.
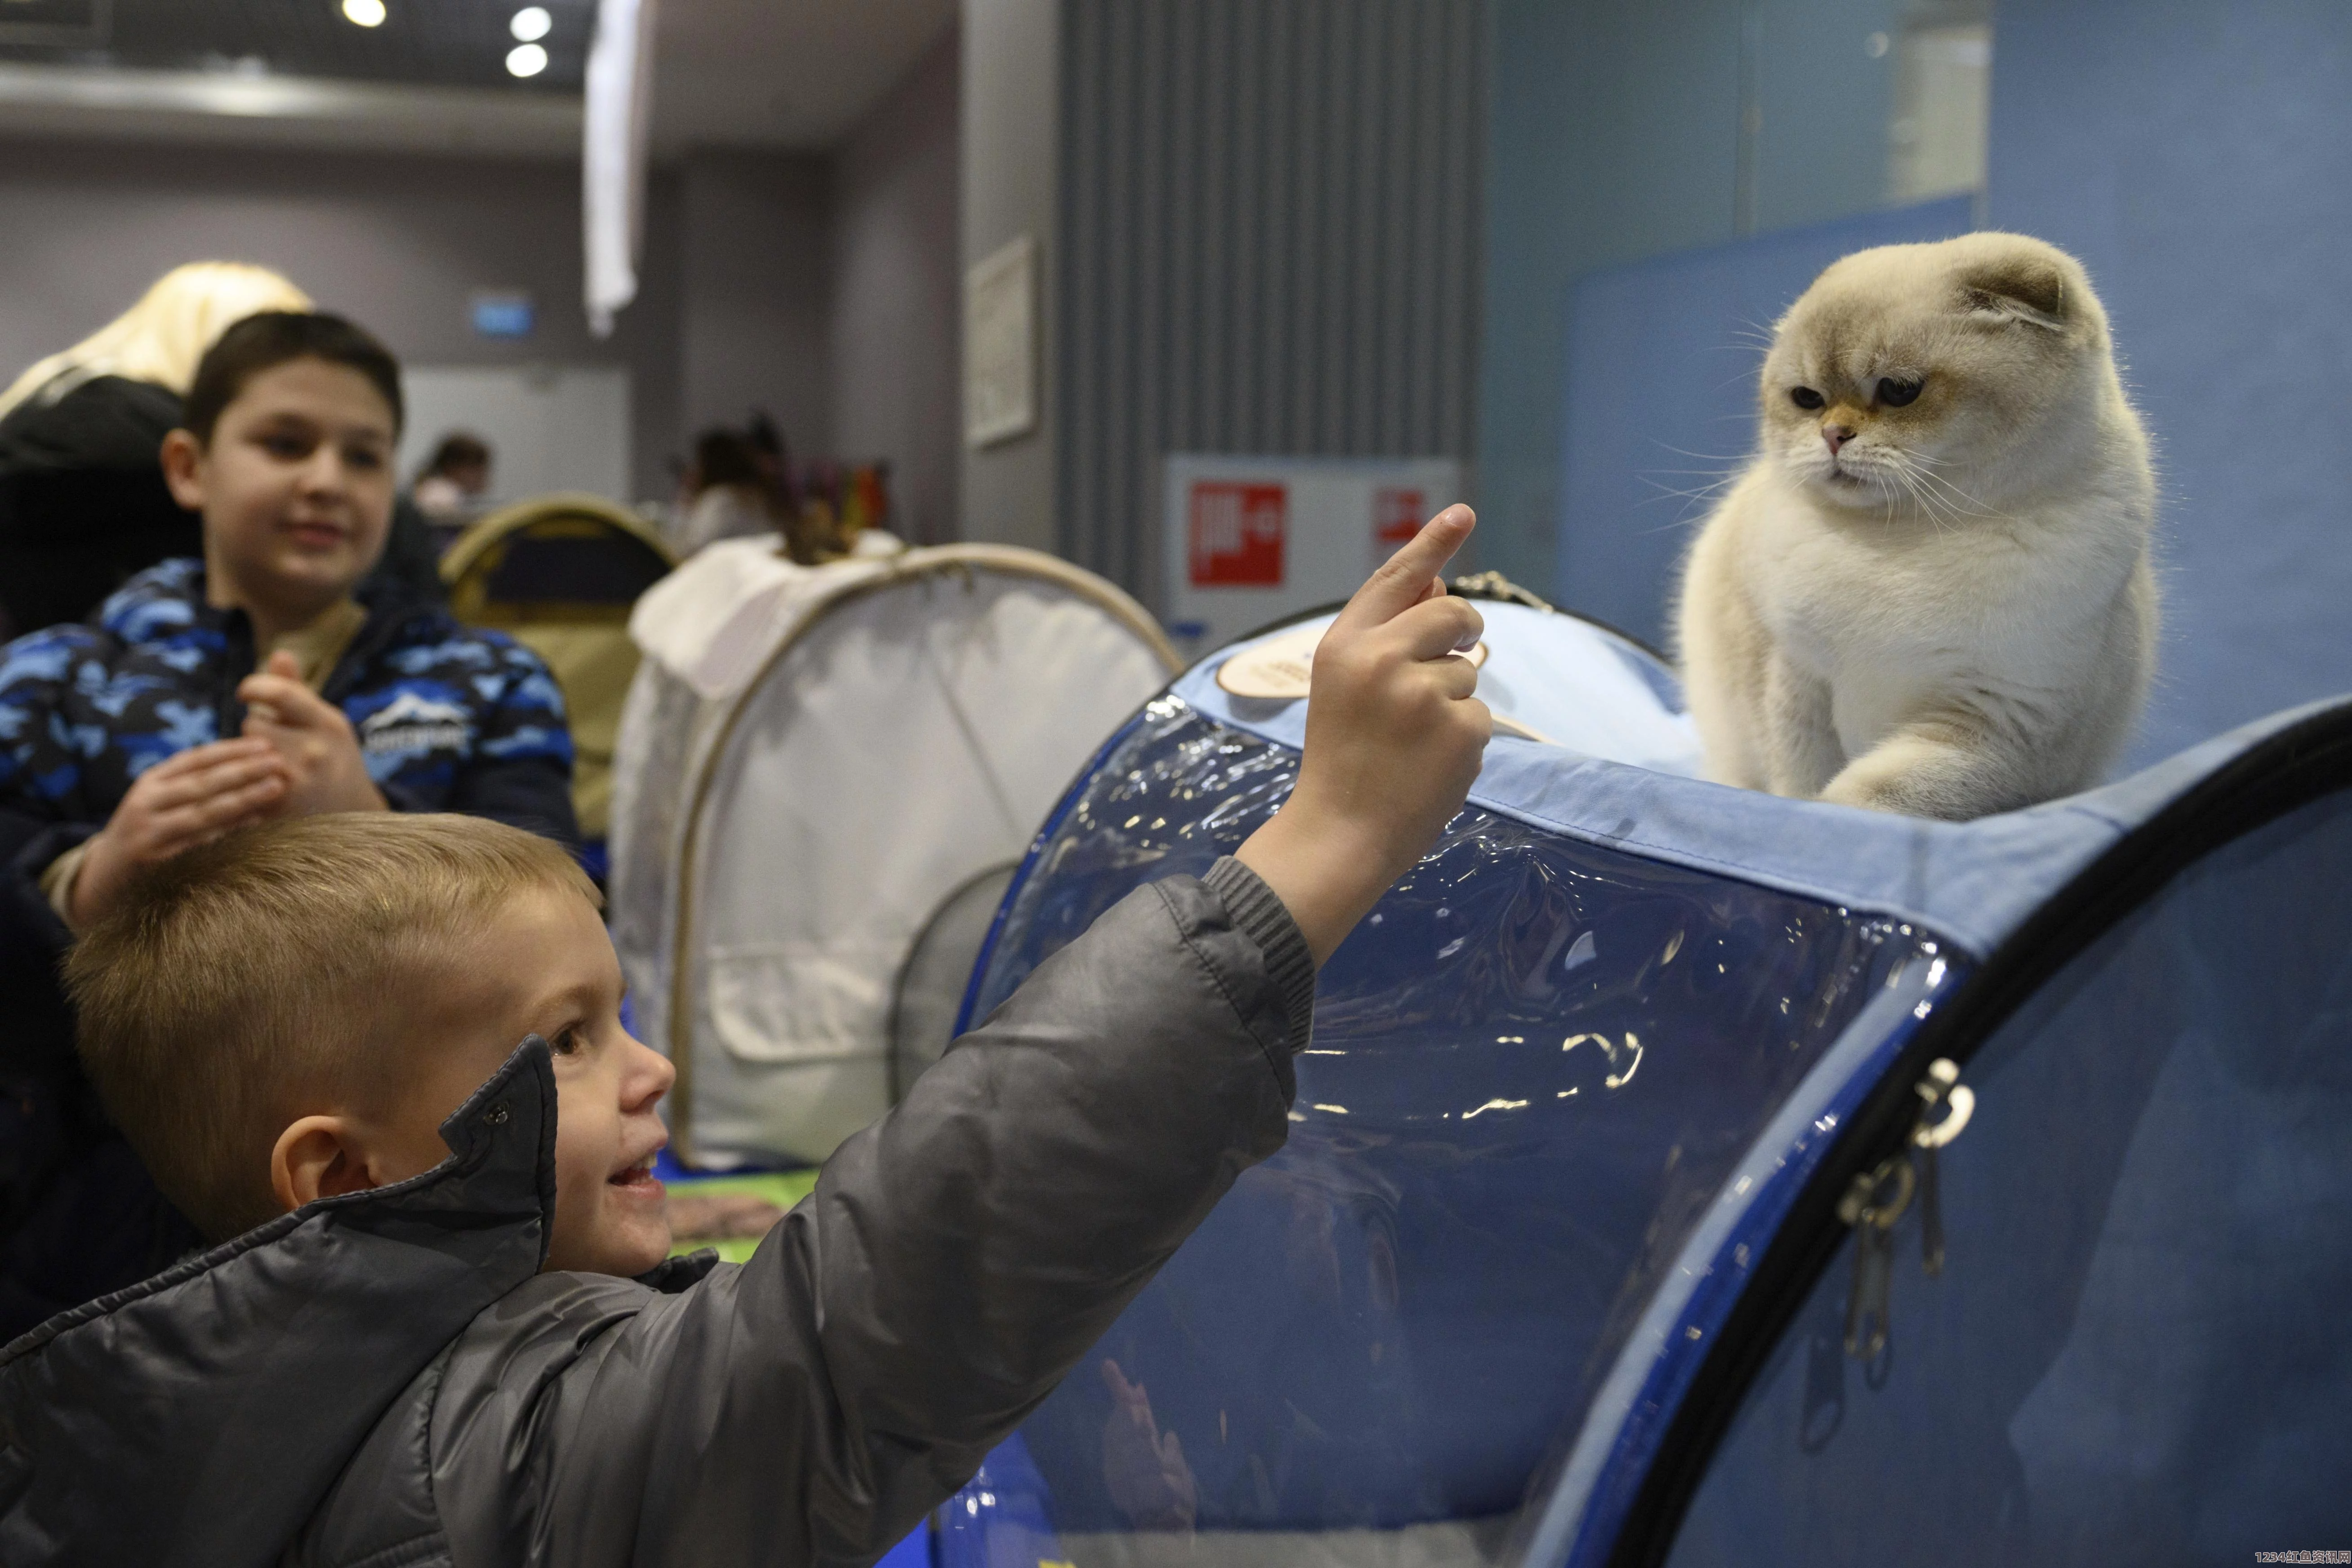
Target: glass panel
column 2135, row 1352
column 1532, row 1068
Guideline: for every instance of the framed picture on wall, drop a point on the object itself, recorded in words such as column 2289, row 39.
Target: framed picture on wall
column 999, row 350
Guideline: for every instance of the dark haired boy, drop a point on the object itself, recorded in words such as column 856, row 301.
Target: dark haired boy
column 439, row 1329
column 262, row 680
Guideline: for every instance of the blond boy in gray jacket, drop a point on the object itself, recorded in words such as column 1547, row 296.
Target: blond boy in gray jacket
column 439, row 1327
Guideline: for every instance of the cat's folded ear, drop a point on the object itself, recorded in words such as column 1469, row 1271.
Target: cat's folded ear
column 2023, row 286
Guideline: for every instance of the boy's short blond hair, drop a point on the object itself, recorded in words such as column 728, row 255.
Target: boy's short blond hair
column 262, row 976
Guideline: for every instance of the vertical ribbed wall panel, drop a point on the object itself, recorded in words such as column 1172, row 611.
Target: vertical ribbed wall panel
column 1269, row 234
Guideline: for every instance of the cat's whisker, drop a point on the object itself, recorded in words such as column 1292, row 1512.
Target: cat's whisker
column 1927, row 465
column 1960, row 499
column 1938, row 510
column 1920, row 499
column 1736, row 459
column 1673, row 526
column 1699, row 497
column 1943, row 505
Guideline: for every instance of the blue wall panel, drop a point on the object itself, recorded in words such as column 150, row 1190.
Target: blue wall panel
column 2198, row 157
column 1661, row 403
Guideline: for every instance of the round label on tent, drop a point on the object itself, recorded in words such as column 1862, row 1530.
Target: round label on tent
column 1281, row 668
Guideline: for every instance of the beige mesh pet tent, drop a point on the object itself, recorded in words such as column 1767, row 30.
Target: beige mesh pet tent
column 559, row 573
column 826, row 777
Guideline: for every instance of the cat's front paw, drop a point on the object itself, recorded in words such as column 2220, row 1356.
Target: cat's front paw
column 1914, row 776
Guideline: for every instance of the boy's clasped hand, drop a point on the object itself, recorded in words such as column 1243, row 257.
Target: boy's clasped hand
column 324, row 768
column 298, row 755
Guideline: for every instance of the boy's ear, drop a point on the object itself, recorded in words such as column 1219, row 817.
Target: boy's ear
column 183, row 459
column 317, row 1157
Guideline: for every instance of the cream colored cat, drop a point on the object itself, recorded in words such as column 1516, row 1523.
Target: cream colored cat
column 1930, row 591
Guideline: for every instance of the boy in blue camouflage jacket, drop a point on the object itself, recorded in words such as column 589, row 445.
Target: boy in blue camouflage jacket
column 259, row 681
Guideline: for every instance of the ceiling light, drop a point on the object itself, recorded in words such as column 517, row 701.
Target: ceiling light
column 532, row 24
column 363, row 13
column 526, row 60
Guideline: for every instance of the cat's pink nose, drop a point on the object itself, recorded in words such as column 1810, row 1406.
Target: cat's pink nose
column 1837, row 436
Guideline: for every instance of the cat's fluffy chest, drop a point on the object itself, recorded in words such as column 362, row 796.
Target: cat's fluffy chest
column 1885, row 610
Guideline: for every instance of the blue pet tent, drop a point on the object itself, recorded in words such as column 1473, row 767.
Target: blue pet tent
column 1604, row 1230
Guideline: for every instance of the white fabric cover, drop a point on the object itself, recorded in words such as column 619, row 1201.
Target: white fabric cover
column 925, row 713
column 714, row 620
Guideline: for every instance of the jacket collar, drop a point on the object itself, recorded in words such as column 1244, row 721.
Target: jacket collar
column 169, row 597
column 201, row 1416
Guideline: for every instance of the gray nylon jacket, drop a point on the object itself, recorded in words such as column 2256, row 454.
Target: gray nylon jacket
column 387, row 1380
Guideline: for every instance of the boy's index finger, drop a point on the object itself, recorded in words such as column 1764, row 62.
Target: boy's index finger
column 1404, row 580
column 284, row 696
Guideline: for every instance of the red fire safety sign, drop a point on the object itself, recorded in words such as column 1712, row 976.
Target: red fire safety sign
column 1238, row 535
column 1396, row 517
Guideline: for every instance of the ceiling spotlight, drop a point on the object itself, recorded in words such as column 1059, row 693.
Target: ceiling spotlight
column 363, row 13
column 526, row 60
column 532, row 24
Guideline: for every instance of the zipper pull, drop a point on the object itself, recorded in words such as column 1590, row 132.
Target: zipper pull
column 1877, row 1200
column 1941, row 1090
column 1871, row 1206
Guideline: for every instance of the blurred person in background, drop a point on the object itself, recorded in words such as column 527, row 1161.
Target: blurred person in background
column 728, row 493
column 83, row 504
column 741, row 484
column 449, row 488
column 774, row 459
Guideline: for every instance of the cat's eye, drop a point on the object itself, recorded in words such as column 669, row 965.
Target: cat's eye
column 1898, row 394
column 1806, row 397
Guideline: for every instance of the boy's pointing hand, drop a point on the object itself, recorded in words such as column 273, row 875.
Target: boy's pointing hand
column 1394, row 736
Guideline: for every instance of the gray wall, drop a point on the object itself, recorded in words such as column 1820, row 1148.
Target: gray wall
column 893, row 345
column 753, row 292
column 397, row 243
column 1011, row 140
column 823, row 288
column 1269, row 240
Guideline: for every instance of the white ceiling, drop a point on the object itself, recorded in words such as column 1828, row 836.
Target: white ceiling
column 796, row 74
column 782, row 73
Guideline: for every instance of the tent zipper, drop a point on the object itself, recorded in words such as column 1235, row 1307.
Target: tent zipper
column 1878, row 1198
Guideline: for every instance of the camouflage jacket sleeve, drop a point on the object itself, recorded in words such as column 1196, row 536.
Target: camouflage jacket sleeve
column 41, row 802
column 40, row 754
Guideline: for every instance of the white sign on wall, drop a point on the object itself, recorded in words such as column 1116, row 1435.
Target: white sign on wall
column 550, row 427
column 1000, row 345
column 1246, row 541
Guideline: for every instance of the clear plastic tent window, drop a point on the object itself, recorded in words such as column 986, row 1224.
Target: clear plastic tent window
column 1530, row 1072
column 1551, row 1272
